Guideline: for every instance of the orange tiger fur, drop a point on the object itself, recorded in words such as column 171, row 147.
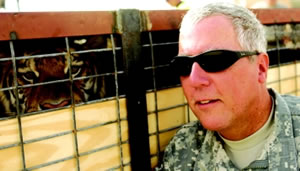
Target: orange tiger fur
column 53, row 73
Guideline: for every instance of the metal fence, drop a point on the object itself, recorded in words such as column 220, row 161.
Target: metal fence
column 93, row 90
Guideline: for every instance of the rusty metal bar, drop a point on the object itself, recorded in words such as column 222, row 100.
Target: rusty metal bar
column 55, row 24
column 75, row 130
column 129, row 27
column 32, row 25
column 118, row 102
column 162, row 20
column 278, row 16
column 170, row 19
column 21, row 144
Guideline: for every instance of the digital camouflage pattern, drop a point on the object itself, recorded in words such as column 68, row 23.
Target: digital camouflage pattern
column 194, row 148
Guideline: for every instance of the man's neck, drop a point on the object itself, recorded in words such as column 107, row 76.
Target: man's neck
column 253, row 121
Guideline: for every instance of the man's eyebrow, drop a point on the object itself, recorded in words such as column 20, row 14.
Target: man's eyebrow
column 208, row 49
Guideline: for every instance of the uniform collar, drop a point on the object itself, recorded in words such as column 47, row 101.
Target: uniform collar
column 281, row 148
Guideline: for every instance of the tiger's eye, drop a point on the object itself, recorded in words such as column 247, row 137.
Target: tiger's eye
column 29, row 76
column 76, row 70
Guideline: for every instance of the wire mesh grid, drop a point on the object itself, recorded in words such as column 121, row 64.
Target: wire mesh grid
column 76, row 152
column 283, row 45
column 158, row 48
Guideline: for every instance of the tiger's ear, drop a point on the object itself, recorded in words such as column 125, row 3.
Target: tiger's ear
column 263, row 65
column 92, row 42
column 96, row 42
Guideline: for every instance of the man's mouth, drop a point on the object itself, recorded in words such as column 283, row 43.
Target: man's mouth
column 202, row 102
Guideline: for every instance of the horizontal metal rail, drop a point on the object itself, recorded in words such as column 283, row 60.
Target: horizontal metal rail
column 30, row 25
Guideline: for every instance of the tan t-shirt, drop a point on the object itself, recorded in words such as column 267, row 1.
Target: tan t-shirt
column 245, row 151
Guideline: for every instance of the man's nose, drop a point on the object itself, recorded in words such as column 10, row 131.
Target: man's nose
column 198, row 76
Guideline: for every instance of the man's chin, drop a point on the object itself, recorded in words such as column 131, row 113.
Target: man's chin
column 213, row 124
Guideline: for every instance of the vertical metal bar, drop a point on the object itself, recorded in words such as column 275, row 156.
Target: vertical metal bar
column 73, row 104
column 296, row 33
column 155, row 97
column 129, row 25
column 293, row 38
column 118, row 100
column 15, row 89
column 278, row 54
column 296, row 77
column 188, row 113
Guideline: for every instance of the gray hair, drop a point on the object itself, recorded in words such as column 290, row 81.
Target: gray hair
column 250, row 32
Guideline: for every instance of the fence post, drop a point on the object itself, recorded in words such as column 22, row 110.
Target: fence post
column 129, row 25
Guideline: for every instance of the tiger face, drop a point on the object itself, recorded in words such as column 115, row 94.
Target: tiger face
column 50, row 82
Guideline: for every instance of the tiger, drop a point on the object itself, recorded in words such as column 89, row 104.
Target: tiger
column 50, row 82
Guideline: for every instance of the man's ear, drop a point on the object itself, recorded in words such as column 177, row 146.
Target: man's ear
column 263, row 65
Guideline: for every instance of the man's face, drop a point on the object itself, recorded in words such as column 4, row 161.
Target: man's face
column 222, row 101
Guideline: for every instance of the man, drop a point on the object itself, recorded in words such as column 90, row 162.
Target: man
column 223, row 65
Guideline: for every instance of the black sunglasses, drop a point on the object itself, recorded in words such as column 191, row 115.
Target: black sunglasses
column 210, row 61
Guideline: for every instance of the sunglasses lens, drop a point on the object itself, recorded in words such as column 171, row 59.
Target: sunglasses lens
column 212, row 61
column 182, row 66
column 216, row 61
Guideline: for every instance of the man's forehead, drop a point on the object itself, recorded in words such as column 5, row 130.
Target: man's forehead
column 214, row 32
column 215, row 20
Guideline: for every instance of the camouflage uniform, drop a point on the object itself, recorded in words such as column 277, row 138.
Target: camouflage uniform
column 195, row 148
